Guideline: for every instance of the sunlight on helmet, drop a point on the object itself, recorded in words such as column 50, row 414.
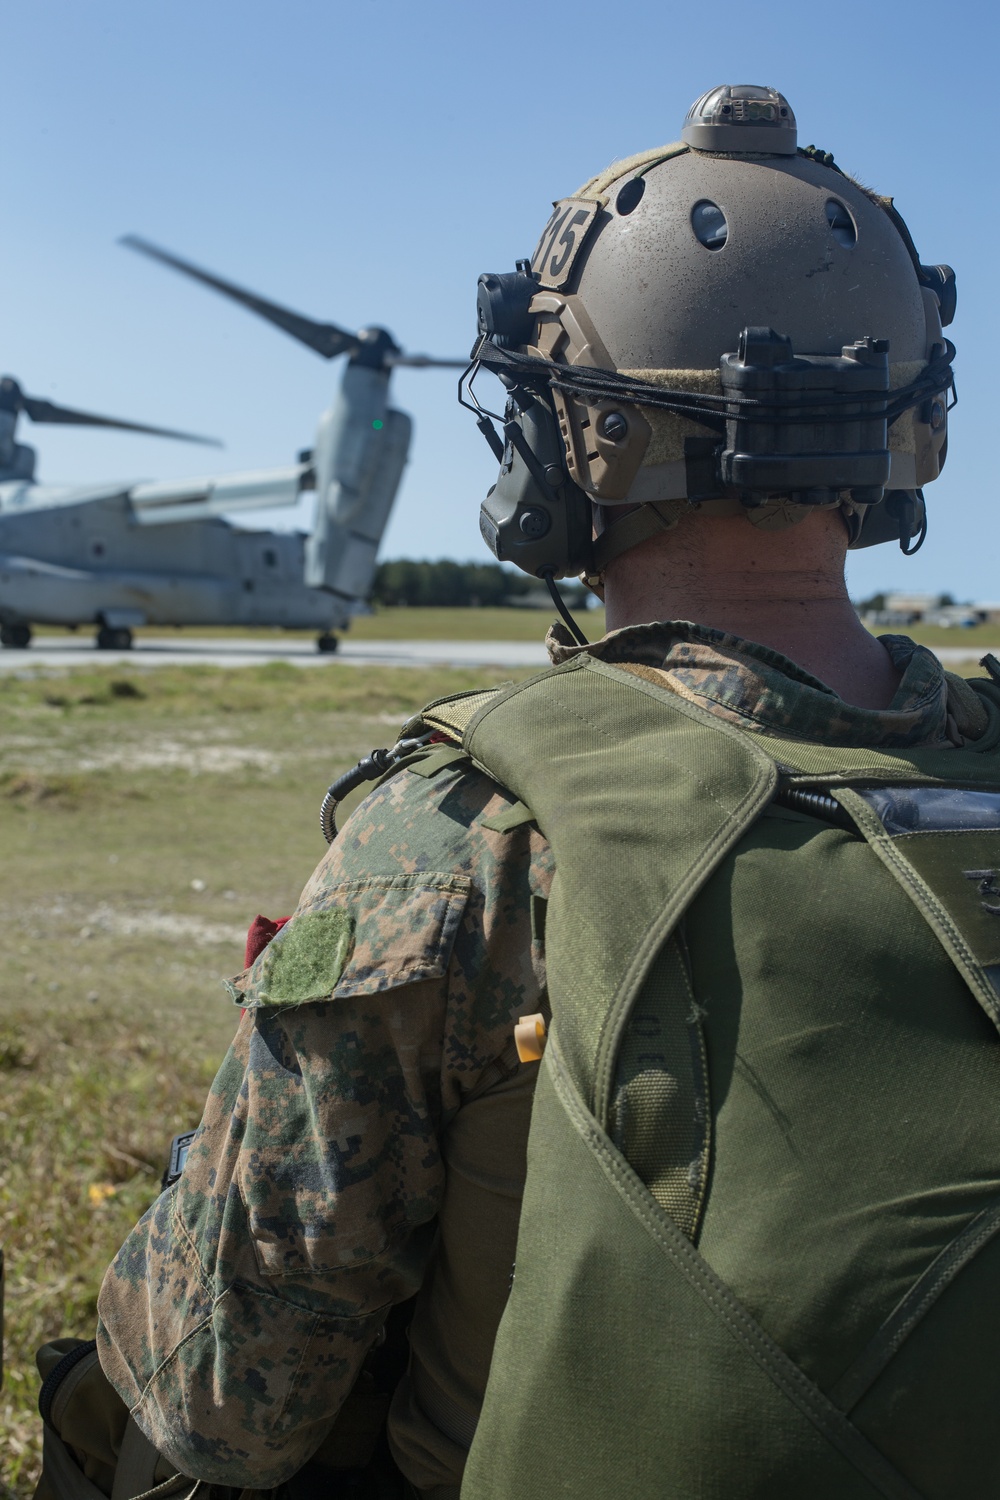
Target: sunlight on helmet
column 709, row 224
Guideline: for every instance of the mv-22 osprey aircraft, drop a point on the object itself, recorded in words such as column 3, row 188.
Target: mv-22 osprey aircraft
column 121, row 555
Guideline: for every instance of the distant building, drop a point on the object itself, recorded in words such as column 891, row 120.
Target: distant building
column 929, row 609
column 961, row 615
column 914, row 606
column 899, row 609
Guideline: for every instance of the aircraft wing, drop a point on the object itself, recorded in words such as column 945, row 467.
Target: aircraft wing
column 167, row 502
column 19, row 495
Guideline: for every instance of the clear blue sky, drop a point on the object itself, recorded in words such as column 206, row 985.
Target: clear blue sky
column 365, row 162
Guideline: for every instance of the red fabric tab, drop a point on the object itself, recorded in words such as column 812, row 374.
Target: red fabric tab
column 262, row 930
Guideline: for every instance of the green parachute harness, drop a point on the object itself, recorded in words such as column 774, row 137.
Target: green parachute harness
column 758, row 1251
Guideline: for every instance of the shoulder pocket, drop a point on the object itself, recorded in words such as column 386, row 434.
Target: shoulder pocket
column 358, row 938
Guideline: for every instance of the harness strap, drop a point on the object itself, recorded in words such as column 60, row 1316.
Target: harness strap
column 550, row 742
column 660, row 1118
column 135, row 1474
column 454, row 715
column 62, row 1475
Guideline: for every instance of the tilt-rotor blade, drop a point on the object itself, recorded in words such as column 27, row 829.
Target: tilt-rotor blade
column 325, row 338
column 426, row 362
column 40, row 410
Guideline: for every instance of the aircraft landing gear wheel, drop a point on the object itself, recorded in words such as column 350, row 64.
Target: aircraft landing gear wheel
column 327, row 642
column 18, row 636
column 109, row 639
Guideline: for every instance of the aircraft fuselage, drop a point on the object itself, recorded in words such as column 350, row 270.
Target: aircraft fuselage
column 89, row 561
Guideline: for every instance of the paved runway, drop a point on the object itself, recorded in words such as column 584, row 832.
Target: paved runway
column 231, row 651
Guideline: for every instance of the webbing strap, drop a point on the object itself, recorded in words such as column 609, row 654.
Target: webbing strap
column 62, row 1476
column 660, row 1118
column 828, row 762
column 454, row 715
column 637, row 526
column 512, row 817
column 913, row 1307
column 427, row 762
column 135, row 1472
column 628, row 788
column 785, row 1374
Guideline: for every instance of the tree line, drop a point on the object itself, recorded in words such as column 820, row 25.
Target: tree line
column 458, row 585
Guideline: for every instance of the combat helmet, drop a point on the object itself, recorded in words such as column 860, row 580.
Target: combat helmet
column 729, row 324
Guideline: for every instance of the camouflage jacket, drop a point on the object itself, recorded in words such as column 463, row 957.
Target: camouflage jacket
column 364, row 1139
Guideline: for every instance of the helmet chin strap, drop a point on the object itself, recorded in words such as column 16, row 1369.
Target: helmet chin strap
column 641, row 522
column 635, row 526
column 638, row 524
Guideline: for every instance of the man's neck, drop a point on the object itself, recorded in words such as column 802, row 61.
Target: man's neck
column 785, row 590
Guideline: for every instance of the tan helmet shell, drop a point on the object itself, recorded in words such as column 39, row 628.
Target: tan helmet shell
column 660, row 300
column 642, row 294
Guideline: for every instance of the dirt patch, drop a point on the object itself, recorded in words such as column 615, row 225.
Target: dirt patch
column 176, row 755
column 172, row 925
column 30, row 788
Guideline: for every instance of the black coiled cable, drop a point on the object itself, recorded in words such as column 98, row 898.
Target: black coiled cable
column 374, row 765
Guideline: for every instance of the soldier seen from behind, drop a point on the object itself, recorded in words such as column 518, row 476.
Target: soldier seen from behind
column 636, row 1041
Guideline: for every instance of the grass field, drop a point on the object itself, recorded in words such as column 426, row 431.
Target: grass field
column 977, row 640
column 145, row 818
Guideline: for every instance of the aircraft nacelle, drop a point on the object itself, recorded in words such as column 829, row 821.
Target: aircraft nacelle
column 359, row 456
column 17, row 460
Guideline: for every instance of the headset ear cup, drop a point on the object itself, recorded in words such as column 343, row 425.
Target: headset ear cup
column 535, row 516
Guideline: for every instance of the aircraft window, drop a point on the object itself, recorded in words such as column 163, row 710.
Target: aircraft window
column 270, row 557
column 97, row 548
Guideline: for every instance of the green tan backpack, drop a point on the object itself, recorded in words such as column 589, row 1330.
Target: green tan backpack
column 760, row 1244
